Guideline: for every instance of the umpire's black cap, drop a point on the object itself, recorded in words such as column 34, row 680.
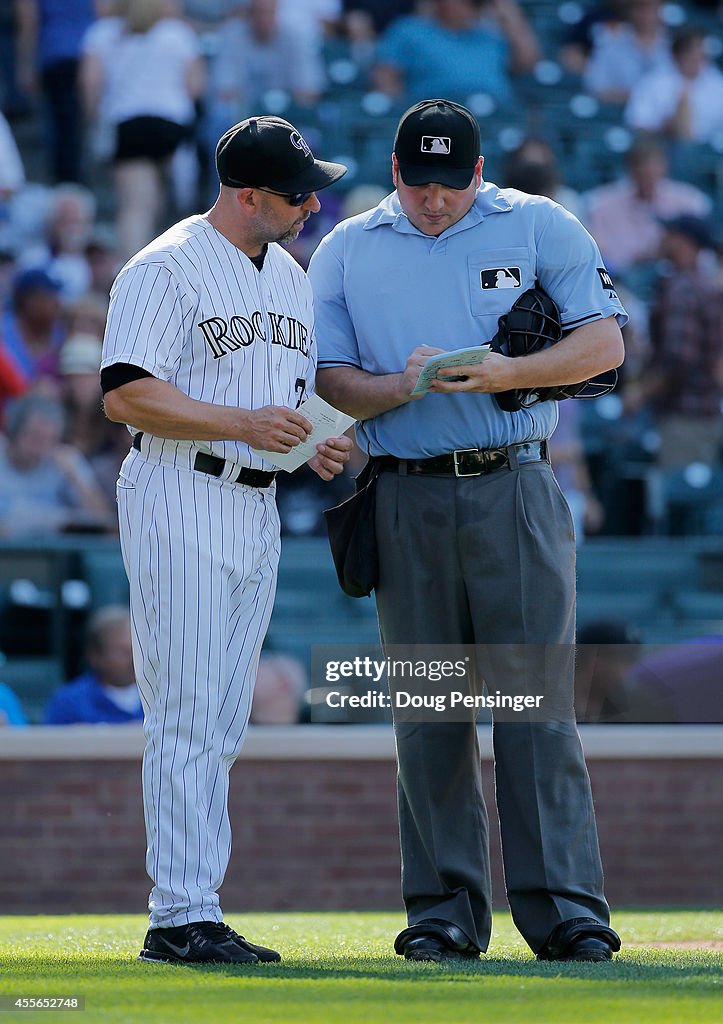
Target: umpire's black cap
column 437, row 140
column 268, row 152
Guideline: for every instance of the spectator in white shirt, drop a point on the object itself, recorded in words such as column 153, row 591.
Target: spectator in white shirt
column 684, row 102
column 12, row 172
column 626, row 48
column 313, row 16
column 12, row 178
column 142, row 74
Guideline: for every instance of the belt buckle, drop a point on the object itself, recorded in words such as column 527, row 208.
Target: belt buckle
column 467, row 451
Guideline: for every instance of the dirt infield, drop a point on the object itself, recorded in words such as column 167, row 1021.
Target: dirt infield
column 691, row 944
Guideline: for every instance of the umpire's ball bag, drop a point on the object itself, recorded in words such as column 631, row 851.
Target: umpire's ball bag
column 352, row 536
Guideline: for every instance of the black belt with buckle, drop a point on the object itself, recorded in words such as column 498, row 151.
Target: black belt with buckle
column 468, row 461
column 211, row 464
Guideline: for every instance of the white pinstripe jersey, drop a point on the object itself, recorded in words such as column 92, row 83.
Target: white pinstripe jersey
column 193, row 310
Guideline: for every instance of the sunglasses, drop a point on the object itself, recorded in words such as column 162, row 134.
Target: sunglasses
column 292, row 198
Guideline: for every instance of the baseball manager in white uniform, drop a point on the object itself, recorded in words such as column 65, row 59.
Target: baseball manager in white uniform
column 209, row 351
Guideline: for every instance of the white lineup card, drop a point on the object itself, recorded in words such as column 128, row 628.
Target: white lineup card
column 326, row 422
column 460, row 357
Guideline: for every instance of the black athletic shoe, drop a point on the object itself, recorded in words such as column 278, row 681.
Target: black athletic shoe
column 262, row 953
column 202, row 942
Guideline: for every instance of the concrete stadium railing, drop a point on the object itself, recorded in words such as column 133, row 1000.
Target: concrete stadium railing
column 347, row 742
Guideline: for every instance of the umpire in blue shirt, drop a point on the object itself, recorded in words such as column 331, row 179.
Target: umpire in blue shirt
column 475, row 539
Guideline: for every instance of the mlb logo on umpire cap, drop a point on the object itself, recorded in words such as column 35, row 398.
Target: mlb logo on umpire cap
column 435, row 144
column 437, row 141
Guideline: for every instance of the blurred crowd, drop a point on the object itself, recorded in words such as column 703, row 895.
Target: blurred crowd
column 110, row 112
column 104, row 691
column 618, row 679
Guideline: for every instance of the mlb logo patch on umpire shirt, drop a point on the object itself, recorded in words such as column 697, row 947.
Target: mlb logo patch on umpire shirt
column 500, row 277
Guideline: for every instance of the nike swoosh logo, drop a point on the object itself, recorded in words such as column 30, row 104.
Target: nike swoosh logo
column 177, row 949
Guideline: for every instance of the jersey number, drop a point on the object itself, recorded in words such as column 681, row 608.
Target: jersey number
column 300, row 386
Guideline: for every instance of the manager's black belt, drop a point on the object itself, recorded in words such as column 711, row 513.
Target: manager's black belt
column 469, row 461
column 211, row 464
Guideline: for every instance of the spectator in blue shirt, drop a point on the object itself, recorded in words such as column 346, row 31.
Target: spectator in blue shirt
column 459, row 48
column 107, row 691
column 50, row 35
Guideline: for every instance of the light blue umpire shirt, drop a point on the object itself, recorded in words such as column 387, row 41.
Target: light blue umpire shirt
column 382, row 287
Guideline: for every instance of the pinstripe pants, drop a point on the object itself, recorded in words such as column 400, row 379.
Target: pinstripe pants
column 201, row 557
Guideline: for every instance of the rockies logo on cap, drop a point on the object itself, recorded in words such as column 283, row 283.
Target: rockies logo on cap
column 299, row 142
column 269, row 152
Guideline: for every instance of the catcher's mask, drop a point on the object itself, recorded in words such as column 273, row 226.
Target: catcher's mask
column 532, row 325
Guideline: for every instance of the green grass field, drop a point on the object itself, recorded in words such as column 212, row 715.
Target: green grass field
column 340, row 968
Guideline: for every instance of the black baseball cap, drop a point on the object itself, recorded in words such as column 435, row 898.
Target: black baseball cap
column 268, row 152
column 437, row 140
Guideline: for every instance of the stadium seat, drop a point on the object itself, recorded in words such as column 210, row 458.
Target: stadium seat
column 32, row 680
column 625, row 564
column 635, row 607
column 699, row 604
column 102, row 569
column 700, row 164
column 32, row 614
column 693, row 499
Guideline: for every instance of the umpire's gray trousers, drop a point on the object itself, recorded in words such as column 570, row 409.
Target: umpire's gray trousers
column 489, row 560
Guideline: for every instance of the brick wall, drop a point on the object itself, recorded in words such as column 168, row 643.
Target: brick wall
column 661, row 830
column 322, row 834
